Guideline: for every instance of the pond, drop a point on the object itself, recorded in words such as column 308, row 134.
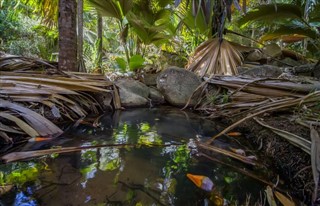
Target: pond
column 153, row 173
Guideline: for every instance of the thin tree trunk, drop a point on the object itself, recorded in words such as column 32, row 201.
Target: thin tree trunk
column 67, row 35
column 244, row 6
column 99, row 31
column 81, row 65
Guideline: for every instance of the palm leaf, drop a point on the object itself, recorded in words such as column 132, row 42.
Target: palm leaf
column 214, row 57
column 286, row 30
column 271, row 13
column 43, row 126
column 21, row 124
column 112, row 8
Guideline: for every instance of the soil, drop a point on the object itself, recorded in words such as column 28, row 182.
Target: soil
column 291, row 163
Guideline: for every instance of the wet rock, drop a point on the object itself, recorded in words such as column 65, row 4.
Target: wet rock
column 263, row 71
column 291, row 62
column 254, row 56
column 156, row 96
column 272, row 50
column 177, row 85
column 133, row 93
column 150, row 79
column 105, row 100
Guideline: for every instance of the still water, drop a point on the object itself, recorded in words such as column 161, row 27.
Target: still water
column 144, row 175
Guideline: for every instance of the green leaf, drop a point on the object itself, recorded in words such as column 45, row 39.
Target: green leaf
column 112, row 8
column 136, row 61
column 122, row 64
column 289, row 30
column 271, row 13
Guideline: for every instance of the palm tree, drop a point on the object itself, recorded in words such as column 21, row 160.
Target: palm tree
column 67, row 35
column 99, row 32
column 81, row 65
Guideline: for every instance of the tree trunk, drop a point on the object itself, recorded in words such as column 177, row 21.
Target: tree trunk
column 81, row 65
column 67, row 35
column 99, row 31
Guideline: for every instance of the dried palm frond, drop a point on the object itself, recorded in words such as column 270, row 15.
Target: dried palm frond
column 215, row 57
column 12, row 62
column 29, row 87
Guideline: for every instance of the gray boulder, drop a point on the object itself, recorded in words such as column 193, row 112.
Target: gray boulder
column 133, row 93
column 150, row 79
column 266, row 71
column 156, row 96
column 177, row 85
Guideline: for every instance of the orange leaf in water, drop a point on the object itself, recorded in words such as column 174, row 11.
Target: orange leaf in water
column 39, row 139
column 234, row 134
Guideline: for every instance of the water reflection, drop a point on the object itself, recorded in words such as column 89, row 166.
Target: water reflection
column 124, row 176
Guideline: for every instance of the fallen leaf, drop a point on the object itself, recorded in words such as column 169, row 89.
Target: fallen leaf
column 283, row 199
column 238, row 151
column 270, row 196
column 234, row 134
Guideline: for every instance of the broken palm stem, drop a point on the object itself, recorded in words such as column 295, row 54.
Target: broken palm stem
column 241, row 158
column 16, row 156
column 268, row 108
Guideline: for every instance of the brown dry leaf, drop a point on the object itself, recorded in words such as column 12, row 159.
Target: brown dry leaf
column 315, row 159
column 40, row 124
column 215, row 57
column 10, row 129
column 283, row 199
column 226, row 152
column 6, row 137
column 5, row 188
column 23, row 126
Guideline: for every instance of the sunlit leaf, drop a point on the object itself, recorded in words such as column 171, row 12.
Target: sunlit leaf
column 271, row 13
column 135, row 62
column 122, row 64
column 282, row 32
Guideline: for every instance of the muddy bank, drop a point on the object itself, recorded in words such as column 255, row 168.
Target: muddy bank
column 291, row 163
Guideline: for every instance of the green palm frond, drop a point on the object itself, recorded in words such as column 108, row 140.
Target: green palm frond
column 271, row 13
column 112, row 8
column 193, row 20
column 48, row 9
column 289, row 30
column 149, row 33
